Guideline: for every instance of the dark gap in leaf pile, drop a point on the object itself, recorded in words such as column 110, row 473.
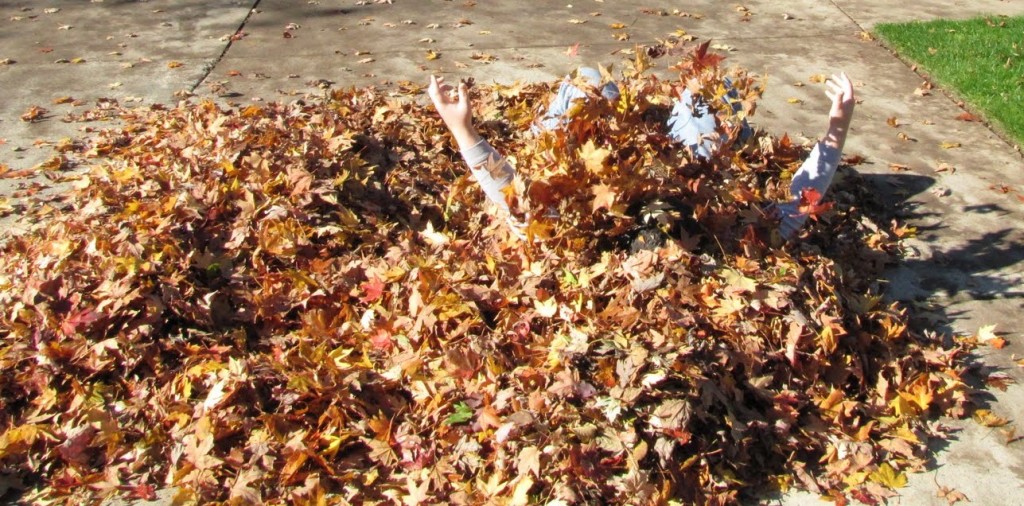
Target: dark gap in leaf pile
column 284, row 303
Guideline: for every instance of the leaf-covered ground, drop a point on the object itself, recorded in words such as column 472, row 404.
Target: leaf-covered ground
column 312, row 303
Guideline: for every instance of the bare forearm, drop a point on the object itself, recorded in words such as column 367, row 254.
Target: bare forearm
column 835, row 137
column 465, row 136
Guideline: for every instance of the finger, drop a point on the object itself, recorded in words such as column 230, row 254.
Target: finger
column 847, row 84
column 441, row 84
column 442, row 90
column 432, row 90
column 842, row 82
column 462, row 93
column 835, row 87
column 831, row 96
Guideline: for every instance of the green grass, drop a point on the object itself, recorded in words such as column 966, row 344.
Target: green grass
column 981, row 60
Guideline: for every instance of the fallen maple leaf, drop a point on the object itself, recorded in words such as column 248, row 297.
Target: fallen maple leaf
column 78, row 319
column 143, row 491
column 988, row 419
column 986, row 333
column 382, row 340
column 810, row 204
column 372, row 290
column 604, row 197
column 887, row 476
column 34, row 114
column 951, row 495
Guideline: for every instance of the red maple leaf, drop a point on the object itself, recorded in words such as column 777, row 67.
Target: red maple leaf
column 810, row 203
column 77, row 319
column 381, row 340
column 143, row 491
column 373, row 290
column 701, row 59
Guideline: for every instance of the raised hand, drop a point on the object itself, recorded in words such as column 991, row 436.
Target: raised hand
column 840, row 90
column 455, row 111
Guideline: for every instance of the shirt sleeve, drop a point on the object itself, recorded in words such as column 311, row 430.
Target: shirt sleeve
column 816, row 173
column 491, row 171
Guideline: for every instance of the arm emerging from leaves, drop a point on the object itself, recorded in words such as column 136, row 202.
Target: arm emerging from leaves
column 816, row 173
column 488, row 167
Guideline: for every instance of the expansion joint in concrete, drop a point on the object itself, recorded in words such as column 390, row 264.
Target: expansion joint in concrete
column 227, row 47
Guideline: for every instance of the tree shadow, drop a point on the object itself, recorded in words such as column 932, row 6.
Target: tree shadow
column 976, row 268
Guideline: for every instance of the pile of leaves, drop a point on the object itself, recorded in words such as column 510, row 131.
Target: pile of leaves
column 313, row 302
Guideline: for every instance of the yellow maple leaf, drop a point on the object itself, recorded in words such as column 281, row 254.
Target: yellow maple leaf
column 594, row 157
column 902, row 407
column 989, row 419
column 737, row 282
column 888, row 477
column 919, row 394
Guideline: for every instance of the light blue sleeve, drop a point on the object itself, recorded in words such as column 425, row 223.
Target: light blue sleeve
column 693, row 125
column 692, row 122
column 816, row 172
column 557, row 114
column 556, row 117
column 491, row 170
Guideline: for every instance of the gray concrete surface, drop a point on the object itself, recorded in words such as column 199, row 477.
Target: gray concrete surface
column 965, row 264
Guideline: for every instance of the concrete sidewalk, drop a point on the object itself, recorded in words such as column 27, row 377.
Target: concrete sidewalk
column 965, row 263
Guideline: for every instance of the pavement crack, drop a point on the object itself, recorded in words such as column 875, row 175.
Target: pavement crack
column 848, row 16
column 227, row 47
